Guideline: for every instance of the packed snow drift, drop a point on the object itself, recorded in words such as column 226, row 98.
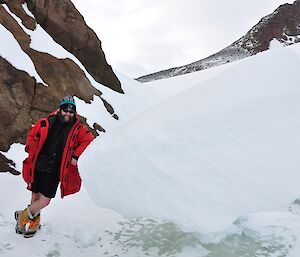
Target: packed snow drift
column 209, row 154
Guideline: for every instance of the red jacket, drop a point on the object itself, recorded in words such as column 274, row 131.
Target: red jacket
column 78, row 139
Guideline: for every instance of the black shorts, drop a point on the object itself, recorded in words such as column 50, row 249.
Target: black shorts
column 45, row 183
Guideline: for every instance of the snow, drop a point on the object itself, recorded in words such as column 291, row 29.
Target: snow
column 275, row 44
column 210, row 171
column 102, row 117
column 204, row 164
column 136, row 99
column 223, row 147
column 64, row 237
column 140, row 97
column 16, row 152
column 173, row 85
column 11, row 51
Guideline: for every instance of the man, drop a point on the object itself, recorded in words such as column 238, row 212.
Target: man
column 54, row 145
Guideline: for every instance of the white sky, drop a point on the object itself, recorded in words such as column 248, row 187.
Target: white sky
column 144, row 36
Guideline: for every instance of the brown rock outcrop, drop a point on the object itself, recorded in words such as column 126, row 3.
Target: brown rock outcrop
column 62, row 76
column 22, row 100
column 16, row 91
column 16, row 8
column 67, row 27
column 7, row 165
column 11, row 24
column 282, row 24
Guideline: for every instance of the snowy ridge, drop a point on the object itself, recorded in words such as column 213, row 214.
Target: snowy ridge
column 283, row 24
column 229, row 54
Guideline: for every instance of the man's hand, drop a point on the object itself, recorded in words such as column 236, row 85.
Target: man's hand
column 74, row 161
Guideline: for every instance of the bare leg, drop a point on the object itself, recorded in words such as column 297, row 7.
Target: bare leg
column 38, row 202
column 35, row 197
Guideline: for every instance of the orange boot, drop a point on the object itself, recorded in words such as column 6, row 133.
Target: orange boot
column 27, row 224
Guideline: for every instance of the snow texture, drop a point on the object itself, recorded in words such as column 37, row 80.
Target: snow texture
column 210, row 153
column 219, row 157
column 208, row 168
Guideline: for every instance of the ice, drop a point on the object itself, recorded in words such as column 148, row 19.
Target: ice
column 208, row 154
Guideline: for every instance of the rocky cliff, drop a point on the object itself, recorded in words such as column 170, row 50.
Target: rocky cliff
column 283, row 24
column 23, row 99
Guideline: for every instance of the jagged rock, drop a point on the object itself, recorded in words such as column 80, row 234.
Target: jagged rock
column 16, row 94
column 11, row 24
column 62, row 76
column 108, row 107
column 7, row 165
column 16, row 8
column 22, row 100
column 67, row 27
column 283, row 24
column 97, row 127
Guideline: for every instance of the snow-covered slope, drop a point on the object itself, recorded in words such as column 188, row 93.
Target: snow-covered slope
column 282, row 24
column 209, row 154
column 219, row 157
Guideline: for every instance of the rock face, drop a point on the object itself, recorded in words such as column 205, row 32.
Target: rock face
column 22, row 100
column 283, row 24
column 16, row 8
column 67, row 27
column 17, row 92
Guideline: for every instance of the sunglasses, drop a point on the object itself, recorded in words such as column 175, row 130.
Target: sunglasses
column 71, row 111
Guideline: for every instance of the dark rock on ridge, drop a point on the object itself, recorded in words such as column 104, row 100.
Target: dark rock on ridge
column 283, row 24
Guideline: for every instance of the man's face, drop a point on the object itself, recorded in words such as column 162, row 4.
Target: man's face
column 67, row 114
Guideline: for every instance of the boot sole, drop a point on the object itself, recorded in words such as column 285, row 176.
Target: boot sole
column 29, row 235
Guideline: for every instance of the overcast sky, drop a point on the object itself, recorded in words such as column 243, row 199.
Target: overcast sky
column 143, row 36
